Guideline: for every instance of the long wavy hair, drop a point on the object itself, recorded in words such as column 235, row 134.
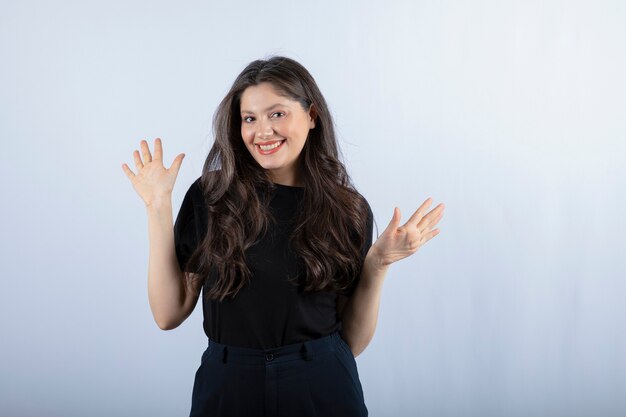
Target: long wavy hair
column 330, row 226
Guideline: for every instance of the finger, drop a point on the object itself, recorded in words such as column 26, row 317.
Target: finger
column 138, row 163
column 158, row 150
column 427, row 224
column 130, row 174
column 431, row 235
column 395, row 220
column 432, row 217
column 415, row 218
column 145, row 151
column 178, row 161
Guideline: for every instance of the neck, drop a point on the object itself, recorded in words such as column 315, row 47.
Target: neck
column 291, row 179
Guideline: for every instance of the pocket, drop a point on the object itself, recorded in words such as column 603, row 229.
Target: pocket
column 348, row 365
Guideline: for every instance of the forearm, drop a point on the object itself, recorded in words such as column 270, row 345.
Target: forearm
column 165, row 285
column 360, row 315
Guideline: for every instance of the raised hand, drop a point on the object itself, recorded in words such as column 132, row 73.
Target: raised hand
column 153, row 182
column 397, row 242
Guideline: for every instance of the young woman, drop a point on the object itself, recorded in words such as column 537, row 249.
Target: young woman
column 280, row 242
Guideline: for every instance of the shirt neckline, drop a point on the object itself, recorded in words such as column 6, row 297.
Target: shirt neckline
column 288, row 187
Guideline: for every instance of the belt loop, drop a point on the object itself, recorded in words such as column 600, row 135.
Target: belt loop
column 224, row 354
column 306, row 354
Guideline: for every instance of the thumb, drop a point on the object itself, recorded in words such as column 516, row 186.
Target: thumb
column 178, row 161
column 395, row 219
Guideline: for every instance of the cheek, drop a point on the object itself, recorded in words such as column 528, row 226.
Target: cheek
column 245, row 134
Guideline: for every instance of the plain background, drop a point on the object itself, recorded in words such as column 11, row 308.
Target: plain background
column 511, row 113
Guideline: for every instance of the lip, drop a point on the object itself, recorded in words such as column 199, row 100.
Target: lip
column 268, row 143
column 271, row 151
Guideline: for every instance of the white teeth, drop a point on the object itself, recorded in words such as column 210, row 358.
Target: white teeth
column 270, row 147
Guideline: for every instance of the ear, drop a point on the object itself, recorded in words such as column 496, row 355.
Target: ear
column 312, row 116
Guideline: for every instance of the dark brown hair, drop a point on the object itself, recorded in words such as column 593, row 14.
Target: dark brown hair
column 330, row 228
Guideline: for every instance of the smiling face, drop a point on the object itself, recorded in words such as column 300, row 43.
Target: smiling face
column 274, row 128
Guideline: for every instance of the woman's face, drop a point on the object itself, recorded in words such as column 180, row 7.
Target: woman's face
column 274, row 129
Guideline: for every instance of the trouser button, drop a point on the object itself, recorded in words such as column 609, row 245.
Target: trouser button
column 269, row 357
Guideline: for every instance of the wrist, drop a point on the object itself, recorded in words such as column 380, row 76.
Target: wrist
column 159, row 204
column 375, row 261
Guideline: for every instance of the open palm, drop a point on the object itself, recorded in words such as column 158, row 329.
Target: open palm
column 397, row 242
column 153, row 181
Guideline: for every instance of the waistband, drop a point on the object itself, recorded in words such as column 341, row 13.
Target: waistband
column 301, row 350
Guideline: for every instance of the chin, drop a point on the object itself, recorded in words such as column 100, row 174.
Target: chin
column 265, row 165
column 269, row 167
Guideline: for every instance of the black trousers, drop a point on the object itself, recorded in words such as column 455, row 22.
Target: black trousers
column 313, row 378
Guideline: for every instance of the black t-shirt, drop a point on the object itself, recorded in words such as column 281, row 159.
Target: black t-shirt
column 269, row 311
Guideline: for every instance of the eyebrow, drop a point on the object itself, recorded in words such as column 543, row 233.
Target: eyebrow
column 268, row 109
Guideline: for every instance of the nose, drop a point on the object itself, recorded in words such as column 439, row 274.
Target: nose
column 265, row 129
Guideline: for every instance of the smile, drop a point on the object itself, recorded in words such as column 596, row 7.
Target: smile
column 269, row 149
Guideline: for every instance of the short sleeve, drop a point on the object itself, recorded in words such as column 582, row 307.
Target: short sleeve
column 366, row 247
column 185, row 228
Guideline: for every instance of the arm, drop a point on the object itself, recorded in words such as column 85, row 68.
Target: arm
column 171, row 301
column 360, row 314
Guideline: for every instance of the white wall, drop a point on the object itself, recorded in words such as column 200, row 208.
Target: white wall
column 510, row 113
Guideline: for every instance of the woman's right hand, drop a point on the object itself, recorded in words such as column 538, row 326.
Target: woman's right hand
column 153, row 182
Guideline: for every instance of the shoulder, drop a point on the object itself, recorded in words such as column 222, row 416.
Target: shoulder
column 193, row 192
column 202, row 182
column 197, row 191
column 196, row 185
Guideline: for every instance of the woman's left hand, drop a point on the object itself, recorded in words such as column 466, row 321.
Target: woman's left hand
column 398, row 242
